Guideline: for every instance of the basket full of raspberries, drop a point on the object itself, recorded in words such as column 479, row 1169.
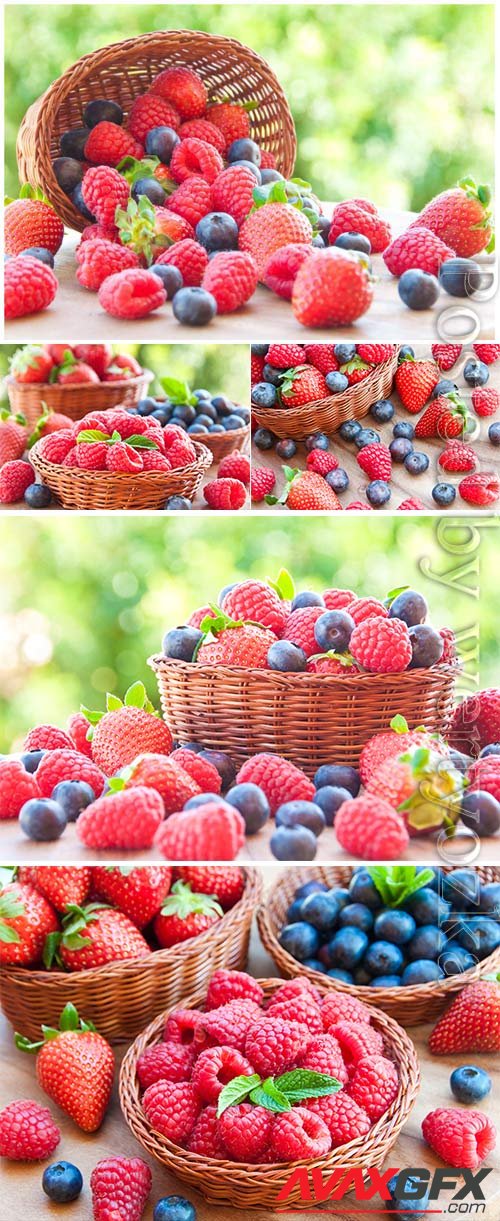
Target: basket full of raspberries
column 73, row 379
column 406, row 938
column 114, row 460
column 119, row 943
column 274, row 1073
column 309, row 676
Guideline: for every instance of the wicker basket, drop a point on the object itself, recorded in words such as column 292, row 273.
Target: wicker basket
column 122, row 997
column 411, row 1005
column 326, row 415
column 309, row 718
column 240, row 1185
column 79, row 489
column 223, row 443
column 123, row 70
column 75, row 401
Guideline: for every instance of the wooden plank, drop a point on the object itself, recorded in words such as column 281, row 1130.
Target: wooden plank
column 266, row 317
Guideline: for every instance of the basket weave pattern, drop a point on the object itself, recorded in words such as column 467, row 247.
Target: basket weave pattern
column 410, row 1005
column 308, row 718
column 75, row 401
column 223, row 443
column 80, row 489
column 249, row 1186
column 122, row 997
column 326, row 415
column 123, row 70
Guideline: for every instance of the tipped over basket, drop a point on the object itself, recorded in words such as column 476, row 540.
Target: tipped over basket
column 410, row 1005
column 123, row 70
column 75, row 401
column 122, row 997
column 241, row 1185
column 81, row 489
column 308, row 718
column 326, row 415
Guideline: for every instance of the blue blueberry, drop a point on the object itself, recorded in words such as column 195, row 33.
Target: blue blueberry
column 183, row 411
column 386, row 981
column 244, row 149
column 254, row 169
column 174, row 1208
column 489, row 900
column 31, row 760
column 404, row 351
column 314, row 964
column 416, row 463
column 461, row 888
column 403, row 428
column 454, row 960
column 79, row 202
column 356, row 915
column 301, row 940
column 62, row 1182
column 286, row 657
column 301, row 814
column 383, row 958
column 347, row 947
column 68, row 171
column 460, row 277
column 344, row 352
column 42, row 819
column 336, row 382
column 339, row 775
column 476, row 373
column 409, row 1196
column 400, row 447
column 427, row 907
column 418, row 290
column 395, row 925
column 72, row 144
column 264, row 395
column 444, row 386
column 444, row 494
column 223, row 763
column 329, row 798
column 317, row 440
column 151, row 188
column 307, row 598
column 378, row 493
column 41, row 253
column 217, row 231
column 366, row 436
column 492, row 749
column 349, row 429
column 460, row 762
column 342, row 896
column 286, row 448
column 428, row 942
column 269, row 175
column 170, row 277
column 426, row 646
column 363, row 890
column 354, row 241
column 175, row 503
column 382, row 410
column 252, row 804
column 338, row 480
column 346, row 977
column 201, row 799
column 310, row 888
column 232, row 422
column 480, row 811
column 160, row 142
column 321, row 910
column 480, row 935
column 293, row 844
column 422, row 971
column 470, row 1083
column 294, row 912
column 180, row 642
column 194, row 306
column 494, row 434
column 410, row 606
column 333, row 630
column 272, row 375
column 73, row 796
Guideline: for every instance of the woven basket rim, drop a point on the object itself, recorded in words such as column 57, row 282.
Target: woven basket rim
column 77, row 387
column 163, row 957
column 431, row 989
column 296, row 413
column 159, row 661
column 122, row 478
column 381, row 1128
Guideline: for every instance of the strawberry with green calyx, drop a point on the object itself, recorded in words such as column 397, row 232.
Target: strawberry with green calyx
column 92, row 936
column 31, row 364
column 148, row 230
column 138, row 891
column 301, row 385
column 355, row 370
column 13, row 436
column 126, row 729
column 331, row 663
column 30, row 220
column 49, row 422
column 283, row 585
column 184, row 914
column 396, row 883
column 423, row 786
column 472, row 1021
column 462, row 218
column 26, row 919
column 294, row 191
column 132, row 169
column 414, row 381
column 277, row 1094
column 397, row 738
column 446, row 417
column 305, row 490
column 236, row 642
column 75, row 1067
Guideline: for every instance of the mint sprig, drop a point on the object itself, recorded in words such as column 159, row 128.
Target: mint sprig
column 277, row 1093
column 395, row 883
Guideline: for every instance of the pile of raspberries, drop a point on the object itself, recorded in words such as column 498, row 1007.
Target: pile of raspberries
column 115, row 441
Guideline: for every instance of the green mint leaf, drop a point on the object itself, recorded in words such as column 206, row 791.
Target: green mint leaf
column 394, row 593
column 399, row 724
column 269, row 1096
column 139, row 441
column 236, row 1091
column 175, row 389
column 302, row 1083
column 283, row 585
column 91, row 434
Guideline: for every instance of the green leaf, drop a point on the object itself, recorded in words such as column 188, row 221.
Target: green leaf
column 177, row 391
column 92, row 715
column 302, row 1083
column 139, row 441
column 399, row 724
column 69, row 1019
column 394, row 593
column 113, row 703
column 236, row 1091
column 8, row 935
column 269, row 1096
column 283, row 585
column 135, row 696
column 91, row 434
column 50, row 949
column 24, row 1044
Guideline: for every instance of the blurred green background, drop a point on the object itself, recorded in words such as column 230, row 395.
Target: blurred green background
column 83, row 603
column 218, row 367
column 394, row 102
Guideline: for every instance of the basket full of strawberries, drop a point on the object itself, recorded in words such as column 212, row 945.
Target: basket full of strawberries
column 120, row 943
column 73, row 379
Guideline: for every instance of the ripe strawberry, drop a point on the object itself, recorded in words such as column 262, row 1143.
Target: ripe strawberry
column 225, row 883
column 376, row 461
column 322, row 356
column 471, row 1022
column 120, row 1187
column 225, row 494
column 160, row 772
column 415, row 381
column 184, row 914
column 75, row 1067
column 184, row 89
column 262, row 483
column 445, row 418
column 31, row 364
column 300, row 385
column 123, row 367
column 49, row 422
column 238, row 644
column 31, row 221
column 422, row 786
column 13, row 436
column 231, row 119
column 190, row 258
column 108, row 144
column 461, row 217
column 305, row 490
column 232, row 192
column 458, row 457
column 94, row 935
column 231, row 277
column 256, row 601
column 269, row 228
column 98, row 355
column 476, row 721
column 418, row 248
column 485, row 400
column 394, row 741
column 481, row 489
column 148, row 230
column 281, row 270
column 352, row 217
column 127, row 729
column 487, row 352
column 148, row 111
column 332, row 288
column 355, row 370
column 446, row 354
column 123, row 819
column 29, row 286
column 26, row 919
column 63, row 885
column 138, row 892
column 213, row 832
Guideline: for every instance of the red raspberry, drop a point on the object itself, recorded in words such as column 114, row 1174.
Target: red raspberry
column 172, row 1109
column 125, row 820
column 262, row 482
column 322, row 356
column 215, row 1068
column 104, row 190
column 27, row 1131
column 184, row 89
column 15, row 477
column 285, row 355
column 273, row 1044
column 481, row 488
column 195, row 157
column 235, row 466
column 324, row 1056
column 150, row 111
column 231, row 119
column 132, row 293
column 228, row 986
column 55, row 447
column 47, row 737
column 352, row 216
column 375, row 460
column 181, row 453
column 298, row 1135
column 485, row 400
column 192, row 200
column 205, row 1139
column 198, row 615
column 231, row 277
column 91, row 455
column 213, row 832
column 165, row 1060
column 122, row 457
column 68, row 765
column 356, row 1042
column 246, row 1131
column 449, row 654
column 366, row 608
column 301, row 1008
column 487, row 352
column 299, row 628
column 16, row 787
column 92, row 231
column 446, row 354
column 410, row 505
column 321, row 462
column 458, row 457
column 120, row 1187
column 152, row 460
column 382, row 646
column 29, row 286
column 267, row 160
column 292, row 988
column 190, row 258
column 256, row 368
column 485, row 775
column 200, row 770
column 71, row 458
column 416, row 248
column 460, row 1138
column 358, row 504
column 341, row 1007
column 282, row 267
column 258, row 602
column 201, row 129
column 230, row 1023
column 476, row 721
column 225, row 494
column 232, row 191
column 184, row 1026
column 280, row 780
column 375, row 353
column 371, row 829
column 338, row 599
column 343, row 1117
column 160, row 772
column 98, row 259
column 374, row 1084
column 108, row 144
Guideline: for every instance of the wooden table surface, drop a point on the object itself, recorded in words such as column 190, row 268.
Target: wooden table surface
column 402, row 484
column 267, row 317
column 23, row 1197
